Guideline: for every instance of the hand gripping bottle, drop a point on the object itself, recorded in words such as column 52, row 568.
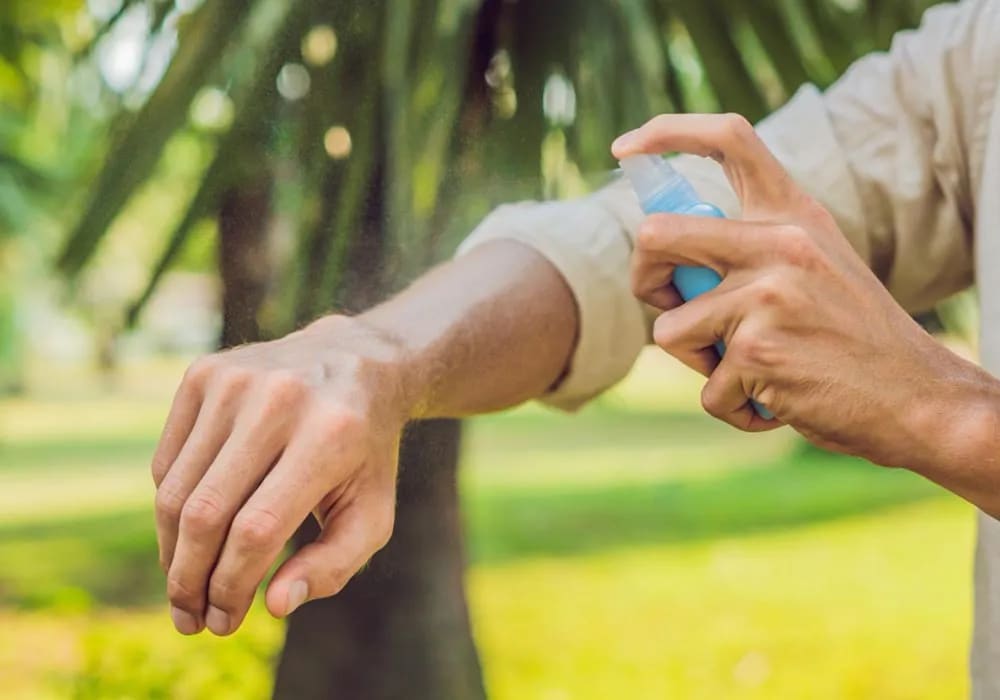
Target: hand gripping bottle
column 661, row 189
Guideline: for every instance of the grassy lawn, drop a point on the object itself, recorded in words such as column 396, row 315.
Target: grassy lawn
column 635, row 550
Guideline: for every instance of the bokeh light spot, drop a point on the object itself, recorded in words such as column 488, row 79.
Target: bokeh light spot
column 212, row 110
column 337, row 142
column 559, row 100
column 320, row 45
column 293, row 81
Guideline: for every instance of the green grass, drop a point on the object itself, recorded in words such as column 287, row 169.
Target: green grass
column 867, row 607
column 638, row 549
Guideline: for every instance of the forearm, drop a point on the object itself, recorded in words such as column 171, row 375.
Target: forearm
column 486, row 331
column 956, row 432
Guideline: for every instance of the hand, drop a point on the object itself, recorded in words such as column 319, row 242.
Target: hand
column 810, row 332
column 258, row 438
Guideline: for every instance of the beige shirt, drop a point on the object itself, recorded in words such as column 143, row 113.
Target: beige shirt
column 905, row 152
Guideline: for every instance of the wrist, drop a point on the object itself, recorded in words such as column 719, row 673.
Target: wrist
column 382, row 361
column 956, row 429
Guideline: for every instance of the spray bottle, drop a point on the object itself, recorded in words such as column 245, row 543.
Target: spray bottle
column 661, row 189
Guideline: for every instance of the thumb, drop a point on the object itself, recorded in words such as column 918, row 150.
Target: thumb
column 322, row 568
column 763, row 185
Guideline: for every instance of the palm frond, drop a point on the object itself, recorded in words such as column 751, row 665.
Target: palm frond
column 133, row 156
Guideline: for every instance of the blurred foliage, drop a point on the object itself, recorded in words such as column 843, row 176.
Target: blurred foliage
column 959, row 316
column 124, row 121
column 117, row 662
column 452, row 105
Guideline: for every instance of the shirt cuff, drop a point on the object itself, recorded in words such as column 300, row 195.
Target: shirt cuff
column 587, row 244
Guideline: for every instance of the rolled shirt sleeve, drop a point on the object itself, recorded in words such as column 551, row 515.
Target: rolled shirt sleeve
column 590, row 247
column 890, row 149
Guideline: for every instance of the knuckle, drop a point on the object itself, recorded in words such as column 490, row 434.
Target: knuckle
column 753, row 350
column 736, row 127
column 182, row 594
column 710, row 399
column 257, row 529
column 798, row 246
column 793, row 234
column 203, row 512
column 169, row 501
column 226, row 593
column 201, row 370
column 647, row 237
column 816, row 213
column 284, row 388
column 767, row 396
column 335, row 424
column 665, row 333
column 233, row 380
column 334, row 580
column 660, row 122
column 770, row 292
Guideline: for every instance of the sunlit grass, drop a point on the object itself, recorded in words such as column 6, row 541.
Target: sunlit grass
column 134, row 653
column 637, row 550
column 869, row 607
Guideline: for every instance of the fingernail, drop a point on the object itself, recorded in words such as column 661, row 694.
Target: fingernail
column 297, row 594
column 184, row 621
column 217, row 620
column 624, row 141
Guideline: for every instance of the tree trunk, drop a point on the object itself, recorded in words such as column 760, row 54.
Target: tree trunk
column 400, row 629
column 244, row 259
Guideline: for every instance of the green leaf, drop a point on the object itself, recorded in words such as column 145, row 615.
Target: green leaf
column 133, row 156
column 238, row 153
column 768, row 23
column 709, row 27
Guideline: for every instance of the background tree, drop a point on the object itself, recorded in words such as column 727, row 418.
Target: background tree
column 364, row 138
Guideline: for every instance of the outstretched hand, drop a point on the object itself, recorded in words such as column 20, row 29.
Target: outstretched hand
column 259, row 438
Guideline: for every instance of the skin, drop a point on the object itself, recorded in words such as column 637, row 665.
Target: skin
column 262, row 436
column 810, row 331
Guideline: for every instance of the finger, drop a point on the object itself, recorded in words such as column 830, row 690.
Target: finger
column 759, row 180
column 724, row 396
column 310, row 467
column 701, row 360
column 322, row 568
column 695, row 330
column 651, row 282
column 210, row 431
column 180, row 422
column 664, row 241
column 240, row 466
